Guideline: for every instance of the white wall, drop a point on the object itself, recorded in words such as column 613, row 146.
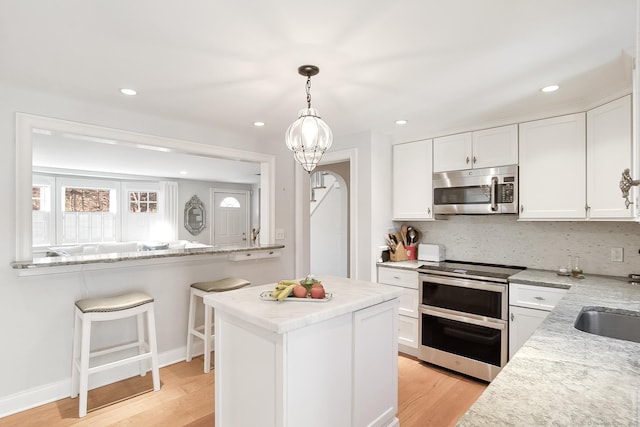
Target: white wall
column 328, row 240
column 36, row 313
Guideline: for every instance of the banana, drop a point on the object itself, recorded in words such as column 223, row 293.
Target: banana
column 287, row 282
column 285, row 293
column 276, row 292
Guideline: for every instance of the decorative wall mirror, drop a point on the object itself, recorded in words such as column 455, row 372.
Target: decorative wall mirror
column 194, row 216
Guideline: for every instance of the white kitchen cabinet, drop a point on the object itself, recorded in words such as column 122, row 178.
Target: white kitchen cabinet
column 411, row 180
column 478, row 149
column 495, row 147
column 552, row 168
column 609, row 153
column 453, row 152
column 408, row 309
column 529, row 305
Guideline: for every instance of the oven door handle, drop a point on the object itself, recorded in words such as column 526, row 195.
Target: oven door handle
column 489, row 323
column 464, row 283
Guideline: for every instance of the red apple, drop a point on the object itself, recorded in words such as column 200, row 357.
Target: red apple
column 300, row 291
column 317, row 291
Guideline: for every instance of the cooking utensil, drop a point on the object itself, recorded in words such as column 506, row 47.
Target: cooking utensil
column 413, row 236
column 403, row 233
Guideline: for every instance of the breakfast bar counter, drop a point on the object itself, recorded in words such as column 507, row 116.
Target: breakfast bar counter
column 304, row 362
column 563, row 376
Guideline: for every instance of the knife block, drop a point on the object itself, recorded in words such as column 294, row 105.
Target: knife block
column 400, row 254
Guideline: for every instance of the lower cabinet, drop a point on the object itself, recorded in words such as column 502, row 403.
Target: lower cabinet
column 529, row 305
column 408, row 310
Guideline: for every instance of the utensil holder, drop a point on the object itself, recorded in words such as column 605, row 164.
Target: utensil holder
column 400, row 254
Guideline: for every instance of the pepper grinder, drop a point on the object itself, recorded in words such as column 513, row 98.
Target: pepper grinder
column 576, row 271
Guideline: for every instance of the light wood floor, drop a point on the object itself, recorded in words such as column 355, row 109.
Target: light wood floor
column 427, row 396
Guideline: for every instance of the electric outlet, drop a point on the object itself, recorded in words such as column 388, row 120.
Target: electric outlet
column 617, row 254
column 279, row 233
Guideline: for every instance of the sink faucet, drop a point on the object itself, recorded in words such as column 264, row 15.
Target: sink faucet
column 625, row 185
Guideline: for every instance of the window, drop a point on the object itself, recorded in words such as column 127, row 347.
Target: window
column 143, row 202
column 86, row 200
column 87, row 211
column 229, row 202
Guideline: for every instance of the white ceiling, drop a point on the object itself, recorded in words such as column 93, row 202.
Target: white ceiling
column 444, row 65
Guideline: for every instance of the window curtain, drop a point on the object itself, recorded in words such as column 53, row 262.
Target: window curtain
column 170, row 209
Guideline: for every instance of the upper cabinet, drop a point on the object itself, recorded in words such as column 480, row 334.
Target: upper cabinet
column 478, row 149
column 552, row 168
column 609, row 153
column 412, row 175
column 570, row 166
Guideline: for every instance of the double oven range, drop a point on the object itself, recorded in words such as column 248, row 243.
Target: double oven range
column 463, row 316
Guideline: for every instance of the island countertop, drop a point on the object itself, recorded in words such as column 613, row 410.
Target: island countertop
column 347, row 295
column 563, row 376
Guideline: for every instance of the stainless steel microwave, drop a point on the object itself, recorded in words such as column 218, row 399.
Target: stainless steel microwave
column 476, row 191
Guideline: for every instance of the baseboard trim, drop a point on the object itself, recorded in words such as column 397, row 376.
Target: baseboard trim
column 48, row 393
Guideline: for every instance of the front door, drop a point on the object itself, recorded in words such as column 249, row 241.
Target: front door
column 229, row 220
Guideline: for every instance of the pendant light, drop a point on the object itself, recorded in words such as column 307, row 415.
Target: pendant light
column 309, row 136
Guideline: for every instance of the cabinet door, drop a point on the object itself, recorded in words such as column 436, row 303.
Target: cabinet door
column 522, row 323
column 495, row 147
column 552, row 168
column 375, row 365
column 609, row 152
column 452, row 152
column 408, row 335
column 412, row 175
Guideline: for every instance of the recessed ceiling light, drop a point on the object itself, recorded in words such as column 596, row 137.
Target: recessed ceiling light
column 401, row 122
column 258, row 124
column 551, row 88
column 183, row 172
column 129, row 92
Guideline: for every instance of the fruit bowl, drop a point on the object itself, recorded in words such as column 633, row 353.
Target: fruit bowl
column 266, row 296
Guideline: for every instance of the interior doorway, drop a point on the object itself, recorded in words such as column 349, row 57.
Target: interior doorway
column 329, row 220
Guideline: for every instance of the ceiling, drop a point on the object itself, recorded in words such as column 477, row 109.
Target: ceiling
column 444, row 66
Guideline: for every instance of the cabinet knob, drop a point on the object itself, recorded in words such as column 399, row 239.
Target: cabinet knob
column 474, row 160
column 539, row 298
column 467, row 159
column 428, row 211
column 512, row 317
column 521, row 208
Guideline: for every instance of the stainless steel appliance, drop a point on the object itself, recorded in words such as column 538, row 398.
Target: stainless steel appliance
column 476, row 191
column 463, row 316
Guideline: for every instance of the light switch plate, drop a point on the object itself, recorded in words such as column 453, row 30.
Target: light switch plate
column 279, row 233
column 617, row 254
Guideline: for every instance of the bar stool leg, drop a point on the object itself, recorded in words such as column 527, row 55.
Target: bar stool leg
column 141, row 343
column 208, row 315
column 153, row 347
column 76, row 354
column 84, row 364
column 191, row 325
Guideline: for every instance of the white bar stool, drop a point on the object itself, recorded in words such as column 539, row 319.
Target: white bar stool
column 200, row 289
column 104, row 309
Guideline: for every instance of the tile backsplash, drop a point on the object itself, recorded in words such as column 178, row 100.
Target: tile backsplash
column 501, row 239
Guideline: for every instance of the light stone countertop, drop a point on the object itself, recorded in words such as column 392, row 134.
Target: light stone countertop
column 348, row 295
column 563, row 376
column 65, row 261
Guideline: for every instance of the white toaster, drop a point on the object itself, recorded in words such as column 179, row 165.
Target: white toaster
column 430, row 252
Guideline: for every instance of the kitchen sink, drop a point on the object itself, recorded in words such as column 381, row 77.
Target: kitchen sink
column 610, row 322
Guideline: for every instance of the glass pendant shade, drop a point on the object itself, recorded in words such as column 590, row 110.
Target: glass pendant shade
column 308, row 137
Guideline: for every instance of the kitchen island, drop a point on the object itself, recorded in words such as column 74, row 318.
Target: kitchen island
column 307, row 363
column 563, row 376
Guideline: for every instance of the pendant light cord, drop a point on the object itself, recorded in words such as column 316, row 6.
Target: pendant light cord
column 308, row 91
